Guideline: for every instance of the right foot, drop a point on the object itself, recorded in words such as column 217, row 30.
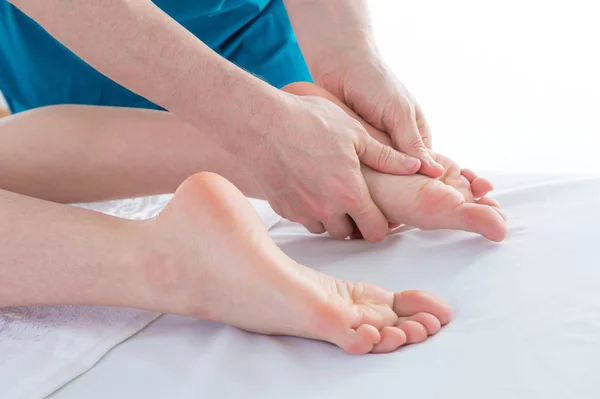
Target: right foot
column 456, row 200
column 212, row 258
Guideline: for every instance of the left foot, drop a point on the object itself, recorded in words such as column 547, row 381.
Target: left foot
column 211, row 257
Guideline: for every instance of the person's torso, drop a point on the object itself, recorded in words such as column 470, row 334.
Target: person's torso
column 36, row 70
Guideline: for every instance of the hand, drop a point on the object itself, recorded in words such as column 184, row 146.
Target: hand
column 371, row 90
column 308, row 167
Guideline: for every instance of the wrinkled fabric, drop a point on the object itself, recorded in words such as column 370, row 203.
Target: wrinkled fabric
column 526, row 317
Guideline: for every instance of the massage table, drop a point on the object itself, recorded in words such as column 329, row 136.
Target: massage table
column 526, row 317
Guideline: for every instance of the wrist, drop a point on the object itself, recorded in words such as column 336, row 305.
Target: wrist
column 234, row 104
column 332, row 34
column 332, row 68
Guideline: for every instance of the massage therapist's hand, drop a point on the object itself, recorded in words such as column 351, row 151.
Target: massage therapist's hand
column 304, row 153
column 371, row 90
column 337, row 41
column 309, row 168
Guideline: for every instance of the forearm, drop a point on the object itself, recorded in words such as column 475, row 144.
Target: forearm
column 80, row 154
column 58, row 254
column 140, row 47
column 331, row 32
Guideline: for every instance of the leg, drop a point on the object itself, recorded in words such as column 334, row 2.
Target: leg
column 58, row 254
column 76, row 153
column 182, row 262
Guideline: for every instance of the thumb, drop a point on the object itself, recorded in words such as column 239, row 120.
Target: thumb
column 407, row 138
column 385, row 159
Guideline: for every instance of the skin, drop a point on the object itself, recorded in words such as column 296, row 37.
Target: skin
column 337, row 42
column 455, row 200
column 180, row 262
column 82, row 154
column 146, row 51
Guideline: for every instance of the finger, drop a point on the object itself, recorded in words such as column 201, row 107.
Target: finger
column 391, row 339
column 357, row 235
column 423, row 127
column 277, row 209
column 481, row 186
column 340, row 227
column 407, row 138
column 315, row 227
column 371, row 222
column 384, row 158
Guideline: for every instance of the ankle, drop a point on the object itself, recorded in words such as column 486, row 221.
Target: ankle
column 158, row 275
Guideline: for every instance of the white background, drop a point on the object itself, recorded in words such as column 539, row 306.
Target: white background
column 508, row 86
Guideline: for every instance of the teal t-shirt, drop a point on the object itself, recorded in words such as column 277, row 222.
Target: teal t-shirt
column 36, row 70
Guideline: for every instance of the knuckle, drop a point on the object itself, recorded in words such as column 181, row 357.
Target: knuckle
column 326, row 213
column 386, row 154
column 315, row 209
column 415, row 143
column 358, row 127
column 349, row 199
column 355, row 204
column 399, row 110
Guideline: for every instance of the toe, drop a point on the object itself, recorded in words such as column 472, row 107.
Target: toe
column 391, row 339
column 415, row 331
column 360, row 340
column 488, row 201
column 409, row 303
column 469, row 174
column 482, row 219
column 427, row 320
column 480, row 187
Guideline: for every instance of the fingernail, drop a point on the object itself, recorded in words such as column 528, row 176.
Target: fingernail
column 410, row 163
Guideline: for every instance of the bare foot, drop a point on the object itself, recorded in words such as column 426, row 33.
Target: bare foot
column 456, row 200
column 212, row 258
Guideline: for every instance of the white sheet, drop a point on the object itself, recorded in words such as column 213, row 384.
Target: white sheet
column 42, row 348
column 526, row 319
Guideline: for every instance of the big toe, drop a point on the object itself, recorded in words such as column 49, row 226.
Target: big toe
column 489, row 221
